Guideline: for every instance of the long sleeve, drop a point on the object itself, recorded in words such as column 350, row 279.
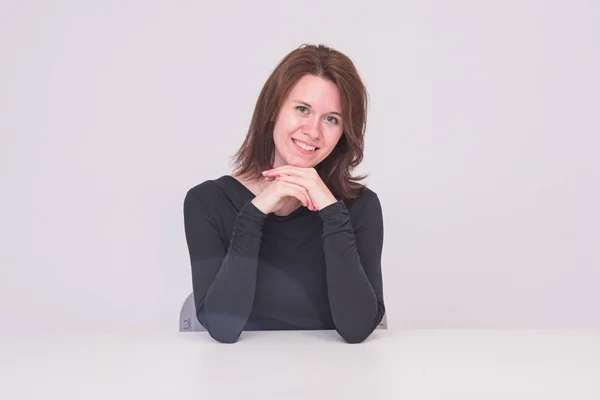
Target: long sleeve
column 223, row 279
column 353, row 266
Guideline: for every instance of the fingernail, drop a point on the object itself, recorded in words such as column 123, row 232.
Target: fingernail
column 266, row 172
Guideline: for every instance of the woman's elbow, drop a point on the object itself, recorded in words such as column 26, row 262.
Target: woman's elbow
column 354, row 337
column 223, row 336
column 220, row 329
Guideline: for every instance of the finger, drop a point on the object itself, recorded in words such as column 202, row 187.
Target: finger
column 300, row 181
column 297, row 180
column 272, row 178
column 287, row 169
column 297, row 191
column 301, row 194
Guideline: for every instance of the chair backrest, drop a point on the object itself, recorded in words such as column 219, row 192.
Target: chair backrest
column 188, row 321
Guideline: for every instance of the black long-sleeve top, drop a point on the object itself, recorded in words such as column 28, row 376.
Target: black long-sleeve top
column 306, row 270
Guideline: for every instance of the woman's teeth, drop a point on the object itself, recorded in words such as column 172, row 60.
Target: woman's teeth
column 303, row 146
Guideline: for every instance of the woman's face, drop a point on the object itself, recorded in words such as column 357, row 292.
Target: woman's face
column 310, row 114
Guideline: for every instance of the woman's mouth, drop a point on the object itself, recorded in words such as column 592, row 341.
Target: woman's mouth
column 303, row 148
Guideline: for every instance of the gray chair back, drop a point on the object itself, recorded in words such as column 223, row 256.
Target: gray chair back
column 188, row 321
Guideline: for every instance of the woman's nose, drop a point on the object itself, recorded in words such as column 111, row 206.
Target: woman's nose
column 313, row 128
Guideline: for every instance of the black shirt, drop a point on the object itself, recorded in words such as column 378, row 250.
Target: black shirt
column 306, row 270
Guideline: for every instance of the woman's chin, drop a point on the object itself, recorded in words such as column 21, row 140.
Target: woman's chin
column 301, row 164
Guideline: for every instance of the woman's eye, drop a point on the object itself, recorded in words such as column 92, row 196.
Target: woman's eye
column 333, row 119
column 301, row 108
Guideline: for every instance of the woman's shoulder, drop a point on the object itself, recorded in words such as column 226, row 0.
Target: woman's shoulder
column 204, row 188
column 209, row 188
column 360, row 202
column 217, row 189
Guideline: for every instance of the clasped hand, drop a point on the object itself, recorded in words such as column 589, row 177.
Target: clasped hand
column 307, row 178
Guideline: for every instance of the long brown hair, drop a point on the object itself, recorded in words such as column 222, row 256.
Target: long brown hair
column 257, row 152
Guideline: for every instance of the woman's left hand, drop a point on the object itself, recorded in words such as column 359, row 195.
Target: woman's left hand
column 309, row 178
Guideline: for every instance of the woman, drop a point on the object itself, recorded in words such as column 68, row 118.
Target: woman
column 290, row 240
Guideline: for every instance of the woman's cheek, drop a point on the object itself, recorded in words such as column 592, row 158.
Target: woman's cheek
column 294, row 122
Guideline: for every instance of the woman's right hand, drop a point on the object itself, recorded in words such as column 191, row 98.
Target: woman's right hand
column 270, row 199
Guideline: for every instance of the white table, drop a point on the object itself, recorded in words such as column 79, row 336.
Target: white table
column 410, row 364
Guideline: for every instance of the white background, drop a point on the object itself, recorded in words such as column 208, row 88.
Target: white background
column 482, row 143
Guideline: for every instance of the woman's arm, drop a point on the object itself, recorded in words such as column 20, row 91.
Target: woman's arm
column 223, row 280
column 353, row 264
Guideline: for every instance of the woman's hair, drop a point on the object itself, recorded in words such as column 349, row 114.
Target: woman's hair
column 258, row 149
